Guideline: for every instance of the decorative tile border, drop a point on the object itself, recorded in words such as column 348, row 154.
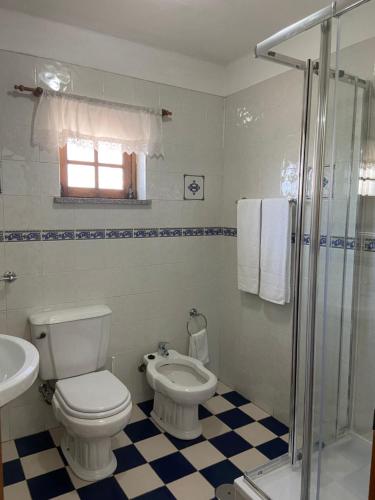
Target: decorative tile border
column 213, row 231
column 364, row 242
column 369, row 244
column 118, row 234
column 30, row 235
column 170, row 232
column 229, row 231
column 193, row 231
column 146, row 232
column 58, row 235
column 351, row 243
column 90, row 234
column 337, row 242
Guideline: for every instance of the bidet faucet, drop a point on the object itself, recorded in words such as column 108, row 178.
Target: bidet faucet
column 163, row 349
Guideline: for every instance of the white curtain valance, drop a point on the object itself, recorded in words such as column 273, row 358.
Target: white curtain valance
column 60, row 117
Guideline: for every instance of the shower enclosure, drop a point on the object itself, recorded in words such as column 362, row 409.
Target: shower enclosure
column 333, row 375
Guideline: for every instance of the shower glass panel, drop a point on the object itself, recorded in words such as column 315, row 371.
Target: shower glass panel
column 345, row 343
column 335, row 358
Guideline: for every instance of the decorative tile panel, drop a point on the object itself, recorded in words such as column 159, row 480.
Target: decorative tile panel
column 90, row 234
column 116, row 234
column 57, row 235
column 193, row 231
column 337, row 242
column 213, row 231
column 170, row 232
column 323, row 240
column 193, row 187
column 146, row 233
column 22, row 235
column 351, row 243
column 369, row 244
column 229, row 231
column 306, row 239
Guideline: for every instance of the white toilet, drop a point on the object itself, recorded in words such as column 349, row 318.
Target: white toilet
column 180, row 383
column 91, row 405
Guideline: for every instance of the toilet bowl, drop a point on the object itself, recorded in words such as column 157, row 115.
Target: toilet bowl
column 91, row 404
column 180, row 383
column 92, row 408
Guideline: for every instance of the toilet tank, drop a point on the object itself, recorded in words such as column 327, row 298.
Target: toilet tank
column 71, row 341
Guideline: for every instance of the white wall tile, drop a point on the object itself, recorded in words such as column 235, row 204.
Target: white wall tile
column 22, row 212
column 256, row 335
column 150, row 284
column 24, row 258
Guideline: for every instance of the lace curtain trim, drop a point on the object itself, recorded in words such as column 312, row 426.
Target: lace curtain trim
column 61, row 117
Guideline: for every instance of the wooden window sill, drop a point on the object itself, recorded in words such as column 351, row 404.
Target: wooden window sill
column 69, row 200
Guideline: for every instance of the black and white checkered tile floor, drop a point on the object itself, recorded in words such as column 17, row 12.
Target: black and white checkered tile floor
column 237, row 436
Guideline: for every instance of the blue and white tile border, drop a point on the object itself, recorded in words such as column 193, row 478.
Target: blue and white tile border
column 364, row 242
column 112, row 234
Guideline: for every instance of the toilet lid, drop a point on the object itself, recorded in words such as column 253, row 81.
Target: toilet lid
column 95, row 392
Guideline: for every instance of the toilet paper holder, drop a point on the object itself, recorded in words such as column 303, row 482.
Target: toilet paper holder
column 194, row 313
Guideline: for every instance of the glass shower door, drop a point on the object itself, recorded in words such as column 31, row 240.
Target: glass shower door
column 344, row 396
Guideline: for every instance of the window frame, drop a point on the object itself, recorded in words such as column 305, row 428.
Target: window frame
column 129, row 166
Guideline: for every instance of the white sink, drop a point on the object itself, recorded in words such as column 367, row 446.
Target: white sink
column 19, row 365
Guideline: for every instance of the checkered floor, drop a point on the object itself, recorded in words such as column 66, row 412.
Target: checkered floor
column 237, row 436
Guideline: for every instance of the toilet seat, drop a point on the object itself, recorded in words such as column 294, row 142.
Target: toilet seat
column 92, row 396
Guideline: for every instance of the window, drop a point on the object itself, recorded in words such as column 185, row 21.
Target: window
column 104, row 172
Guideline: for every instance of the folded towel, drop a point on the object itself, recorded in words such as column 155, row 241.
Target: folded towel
column 198, row 346
column 248, row 243
column 275, row 251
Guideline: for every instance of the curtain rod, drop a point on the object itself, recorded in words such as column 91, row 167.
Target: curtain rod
column 38, row 91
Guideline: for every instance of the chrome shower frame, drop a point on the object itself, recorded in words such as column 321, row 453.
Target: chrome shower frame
column 265, row 50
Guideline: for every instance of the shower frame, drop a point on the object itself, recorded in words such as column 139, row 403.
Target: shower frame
column 265, row 50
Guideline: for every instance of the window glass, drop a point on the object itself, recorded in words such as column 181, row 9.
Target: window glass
column 81, row 176
column 111, row 178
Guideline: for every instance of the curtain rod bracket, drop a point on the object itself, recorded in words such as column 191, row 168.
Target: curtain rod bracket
column 36, row 91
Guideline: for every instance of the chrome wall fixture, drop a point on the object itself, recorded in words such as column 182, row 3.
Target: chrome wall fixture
column 194, row 313
column 9, row 276
column 317, row 177
column 297, row 283
column 265, row 49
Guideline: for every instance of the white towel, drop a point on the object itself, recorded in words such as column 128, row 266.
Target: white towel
column 198, row 346
column 275, row 251
column 248, row 244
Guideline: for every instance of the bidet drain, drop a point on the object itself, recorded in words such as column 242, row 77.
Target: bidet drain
column 225, row 492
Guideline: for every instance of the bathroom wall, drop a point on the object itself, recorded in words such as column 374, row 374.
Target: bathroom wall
column 150, row 283
column 44, row 38
column 262, row 127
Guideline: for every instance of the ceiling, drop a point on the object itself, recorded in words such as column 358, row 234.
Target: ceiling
column 218, row 31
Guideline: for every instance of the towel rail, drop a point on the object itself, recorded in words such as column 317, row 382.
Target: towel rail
column 194, row 313
column 293, row 201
